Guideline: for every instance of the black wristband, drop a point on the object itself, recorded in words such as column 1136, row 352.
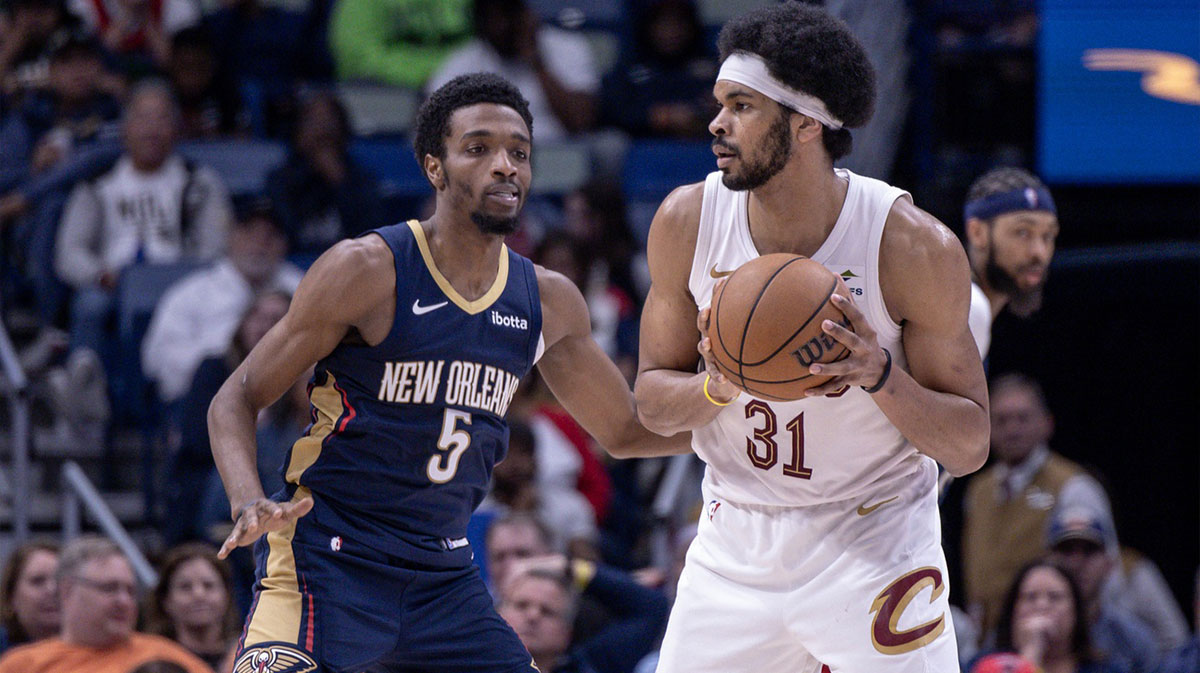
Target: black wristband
column 887, row 371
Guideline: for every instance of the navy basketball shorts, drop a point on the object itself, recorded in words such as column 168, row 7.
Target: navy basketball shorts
column 334, row 605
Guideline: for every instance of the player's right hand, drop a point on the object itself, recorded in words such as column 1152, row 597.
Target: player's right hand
column 261, row 517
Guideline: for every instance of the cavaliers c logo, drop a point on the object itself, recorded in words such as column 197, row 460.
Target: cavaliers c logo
column 890, row 604
column 274, row 659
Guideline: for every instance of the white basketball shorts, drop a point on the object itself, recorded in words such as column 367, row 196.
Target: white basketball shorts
column 846, row 587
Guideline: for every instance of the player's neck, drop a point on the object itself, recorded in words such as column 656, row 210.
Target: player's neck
column 467, row 257
column 797, row 208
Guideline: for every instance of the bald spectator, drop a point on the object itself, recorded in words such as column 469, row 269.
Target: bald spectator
column 98, row 594
column 1009, row 504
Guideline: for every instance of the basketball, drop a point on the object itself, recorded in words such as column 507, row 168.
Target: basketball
column 765, row 325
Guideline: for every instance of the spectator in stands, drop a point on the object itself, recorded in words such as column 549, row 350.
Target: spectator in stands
column 510, row 538
column 98, row 594
column 73, row 113
column 261, row 49
column 1042, row 626
column 1186, row 657
column 552, row 67
column 193, row 603
column 1083, row 541
column 515, row 491
column 29, row 596
column 191, row 462
column 26, row 42
column 540, row 597
column 1008, row 504
column 396, row 42
column 153, row 206
column 210, row 104
column 138, row 32
column 662, row 87
column 71, row 110
column 1138, row 587
column 322, row 194
column 596, row 213
column 197, row 317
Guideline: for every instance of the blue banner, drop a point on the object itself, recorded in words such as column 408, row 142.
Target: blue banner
column 1119, row 91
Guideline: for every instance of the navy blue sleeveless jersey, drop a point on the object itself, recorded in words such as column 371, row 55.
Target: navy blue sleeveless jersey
column 405, row 433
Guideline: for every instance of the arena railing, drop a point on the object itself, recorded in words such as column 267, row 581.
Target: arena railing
column 18, row 389
column 79, row 493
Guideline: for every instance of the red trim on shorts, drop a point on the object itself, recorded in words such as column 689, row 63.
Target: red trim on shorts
column 349, row 412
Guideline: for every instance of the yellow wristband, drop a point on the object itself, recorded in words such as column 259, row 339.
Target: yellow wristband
column 707, row 394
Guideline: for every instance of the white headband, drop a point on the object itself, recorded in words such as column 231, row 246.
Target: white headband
column 751, row 70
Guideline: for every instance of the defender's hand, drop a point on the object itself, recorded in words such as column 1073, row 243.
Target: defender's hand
column 261, row 517
column 865, row 364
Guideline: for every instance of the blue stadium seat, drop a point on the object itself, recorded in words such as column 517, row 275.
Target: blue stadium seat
column 654, row 167
column 242, row 164
column 609, row 14
column 378, row 110
column 392, row 161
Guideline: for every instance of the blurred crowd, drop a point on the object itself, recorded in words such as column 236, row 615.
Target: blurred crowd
column 134, row 278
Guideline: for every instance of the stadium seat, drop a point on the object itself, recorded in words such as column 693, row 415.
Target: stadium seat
column 560, row 167
column 654, row 167
column 242, row 164
column 392, row 161
column 580, row 13
column 379, row 110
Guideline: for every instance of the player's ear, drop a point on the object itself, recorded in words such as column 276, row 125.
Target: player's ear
column 805, row 128
column 434, row 172
column 978, row 233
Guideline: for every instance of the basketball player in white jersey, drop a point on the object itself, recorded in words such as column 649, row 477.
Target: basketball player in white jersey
column 820, row 545
column 1011, row 227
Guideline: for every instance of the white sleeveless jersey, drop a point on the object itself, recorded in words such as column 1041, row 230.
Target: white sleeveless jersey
column 817, row 450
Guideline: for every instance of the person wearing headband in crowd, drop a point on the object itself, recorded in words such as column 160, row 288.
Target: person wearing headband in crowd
column 819, row 548
column 1011, row 227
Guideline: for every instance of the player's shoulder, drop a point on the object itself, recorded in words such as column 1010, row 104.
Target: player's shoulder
column 680, row 211
column 911, row 231
column 362, row 257
column 674, row 231
column 564, row 310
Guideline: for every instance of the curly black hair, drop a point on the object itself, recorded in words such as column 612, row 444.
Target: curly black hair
column 1003, row 179
column 433, row 119
column 812, row 51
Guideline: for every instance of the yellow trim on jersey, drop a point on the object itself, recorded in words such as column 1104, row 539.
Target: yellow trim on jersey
column 328, row 403
column 277, row 614
column 471, row 307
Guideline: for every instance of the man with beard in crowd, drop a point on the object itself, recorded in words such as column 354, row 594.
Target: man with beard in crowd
column 1011, row 226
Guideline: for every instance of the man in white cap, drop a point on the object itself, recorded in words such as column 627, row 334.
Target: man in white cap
column 820, row 546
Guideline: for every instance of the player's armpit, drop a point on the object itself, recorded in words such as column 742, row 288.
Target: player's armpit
column 940, row 404
column 586, row 381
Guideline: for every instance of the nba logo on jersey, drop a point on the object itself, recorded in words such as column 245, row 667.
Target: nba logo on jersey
column 1031, row 197
column 713, row 506
column 335, row 543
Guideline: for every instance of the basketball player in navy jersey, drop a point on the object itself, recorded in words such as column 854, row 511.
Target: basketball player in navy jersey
column 820, row 546
column 419, row 333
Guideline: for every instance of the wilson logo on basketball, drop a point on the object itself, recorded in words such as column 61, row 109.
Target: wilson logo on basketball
column 889, row 605
column 816, row 347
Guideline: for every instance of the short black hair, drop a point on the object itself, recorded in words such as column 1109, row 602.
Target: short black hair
column 433, row 119
column 1003, row 179
column 812, row 51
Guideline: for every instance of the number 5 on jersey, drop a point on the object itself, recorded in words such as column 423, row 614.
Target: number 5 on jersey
column 443, row 466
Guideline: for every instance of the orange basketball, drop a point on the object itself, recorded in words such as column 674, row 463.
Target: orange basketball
column 765, row 325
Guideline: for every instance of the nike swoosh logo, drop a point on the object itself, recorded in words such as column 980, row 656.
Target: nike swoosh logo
column 718, row 274
column 863, row 510
column 422, row 310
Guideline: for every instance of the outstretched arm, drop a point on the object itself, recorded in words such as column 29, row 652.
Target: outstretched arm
column 586, row 382
column 670, row 394
column 343, row 287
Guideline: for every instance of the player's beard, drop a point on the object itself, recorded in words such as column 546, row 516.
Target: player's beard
column 492, row 224
column 1021, row 302
column 777, row 145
